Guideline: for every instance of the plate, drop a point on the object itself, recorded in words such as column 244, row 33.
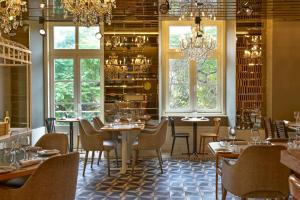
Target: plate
column 48, row 152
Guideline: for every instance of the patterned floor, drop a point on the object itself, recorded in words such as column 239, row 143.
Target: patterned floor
column 182, row 179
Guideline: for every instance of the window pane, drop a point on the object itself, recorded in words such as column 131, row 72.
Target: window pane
column 64, row 69
column 179, row 95
column 211, row 31
column 64, row 37
column 58, row 9
column 64, row 92
column 87, row 38
column 90, row 69
column 90, row 92
column 176, row 33
column 90, row 115
column 207, row 85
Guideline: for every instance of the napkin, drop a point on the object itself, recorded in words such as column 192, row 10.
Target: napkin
column 25, row 163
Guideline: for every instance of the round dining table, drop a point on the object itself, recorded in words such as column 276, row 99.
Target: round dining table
column 195, row 121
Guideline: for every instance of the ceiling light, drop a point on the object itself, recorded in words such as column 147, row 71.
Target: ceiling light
column 98, row 35
column 42, row 32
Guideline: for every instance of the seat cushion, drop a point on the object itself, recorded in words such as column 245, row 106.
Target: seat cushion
column 108, row 144
column 182, row 135
column 208, row 135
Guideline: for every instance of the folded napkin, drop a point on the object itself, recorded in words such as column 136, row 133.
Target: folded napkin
column 6, row 169
column 25, row 163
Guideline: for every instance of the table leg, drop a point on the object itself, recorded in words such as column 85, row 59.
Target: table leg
column 124, row 152
column 71, row 136
column 194, row 137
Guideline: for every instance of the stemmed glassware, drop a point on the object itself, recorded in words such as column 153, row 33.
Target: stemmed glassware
column 117, row 118
column 297, row 116
column 255, row 135
column 232, row 134
column 129, row 117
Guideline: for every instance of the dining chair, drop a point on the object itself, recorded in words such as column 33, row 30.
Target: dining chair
column 281, row 129
column 154, row 141
column 57, row 141
column 268, row 128
column 54, row 179
column 257, row 173
column 98, row 124
column 294, row 184
column 176, row 135
column 93, row 140
column 213, row 135
column 50, row 124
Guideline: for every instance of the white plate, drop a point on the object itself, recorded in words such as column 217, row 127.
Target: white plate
column 48, row 152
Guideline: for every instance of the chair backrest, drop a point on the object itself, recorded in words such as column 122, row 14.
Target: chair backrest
column 57, row 141
column 294, row 184
column 50, row 124
column 217, row 123
column 87, row 131
column 55, row 179
column 162, row 132
column 281, row 129
column 172, row 124
column 259, row 172
column 268, row 128
column 98, row 124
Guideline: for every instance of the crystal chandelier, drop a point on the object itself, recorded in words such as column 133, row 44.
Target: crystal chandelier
column 11, row 14
column 191, row 8
column 89, row 12
column 199, row 45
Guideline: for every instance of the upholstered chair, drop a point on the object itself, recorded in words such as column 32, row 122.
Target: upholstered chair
column 113, row 136
column 281, row 129
column 93, row 140
column 294, row 184
column 54, row 179
column 153, row 141
column 57, row 141
column 257, row 173
column 213, row 135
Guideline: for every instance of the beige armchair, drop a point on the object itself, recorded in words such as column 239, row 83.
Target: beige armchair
column 257, row 173
column 57, row 141
column 93, row 140
column 49, row 181
column 152, row 141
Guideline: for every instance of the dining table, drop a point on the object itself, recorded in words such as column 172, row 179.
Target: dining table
column 194, row 121
column 125, row 129
column 71, row 122
column 293, row 125
column 22, row 172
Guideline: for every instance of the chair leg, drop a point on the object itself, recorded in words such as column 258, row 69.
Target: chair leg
column 159, row 159
column 108, row 164
column 203, row 145
column 134, row 158
column 173, row 143
column 116, row 155
column 99, row 157
column 85, row 161
column 93, row 155
column 162, row 162
column 187, row 145
column 224, row 193
column 77, row 145
column 200, row 144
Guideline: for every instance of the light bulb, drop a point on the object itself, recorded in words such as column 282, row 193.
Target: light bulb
column 42, row 32
column 98, row 35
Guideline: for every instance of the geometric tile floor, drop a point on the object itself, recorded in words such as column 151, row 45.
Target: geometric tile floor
column 181, row 180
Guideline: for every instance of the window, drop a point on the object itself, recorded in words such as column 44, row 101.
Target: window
column 76, row 65
column 192, row 86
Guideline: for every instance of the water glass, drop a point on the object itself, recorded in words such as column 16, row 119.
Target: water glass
column 232, row 134
column 117, row 118
column 255, row 135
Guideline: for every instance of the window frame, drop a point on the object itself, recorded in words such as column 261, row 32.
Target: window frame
column 168, row 53
column 75, row 54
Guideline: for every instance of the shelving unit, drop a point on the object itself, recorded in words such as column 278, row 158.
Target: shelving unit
column 129, row 85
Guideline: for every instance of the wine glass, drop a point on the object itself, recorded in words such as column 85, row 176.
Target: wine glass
column 232, row 134
column 296, row 116
column 255, row 135
column 129, row 117
column 117, row 118
column 24, row 142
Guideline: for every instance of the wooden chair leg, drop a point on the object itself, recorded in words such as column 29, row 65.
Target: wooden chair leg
column 85, row 161
column 162, row 162
column 116, row 155
column 134, row 158
column 159, row 159
column 108, row 164
column 93, row 155
column 187, row 145
column 203, row 145
column 99, row 157
column 200, row 145
column 173, row 143
column 77, row 145
column 224, row 193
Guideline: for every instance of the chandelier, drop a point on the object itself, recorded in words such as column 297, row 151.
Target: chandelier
column 199, row 45
column 190, row 9
column 11, row 14
column 89, row 12
column 254, row 48
column 126, row 41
